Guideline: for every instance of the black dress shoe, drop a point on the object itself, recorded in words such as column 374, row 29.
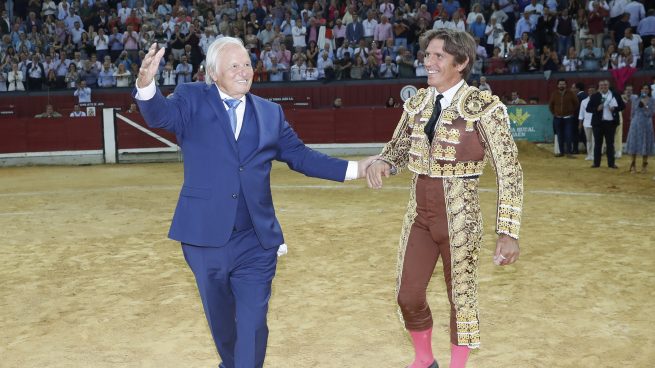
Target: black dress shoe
column 595, row 166
column 614, row 167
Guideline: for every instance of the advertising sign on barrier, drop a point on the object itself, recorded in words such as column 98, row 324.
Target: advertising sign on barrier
column 532, row 123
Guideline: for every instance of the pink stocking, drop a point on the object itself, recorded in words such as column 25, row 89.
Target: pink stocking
column 459, row 355
column 422, row 341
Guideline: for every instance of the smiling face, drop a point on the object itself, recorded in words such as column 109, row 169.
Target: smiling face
column 443, row 71
column 234, row 71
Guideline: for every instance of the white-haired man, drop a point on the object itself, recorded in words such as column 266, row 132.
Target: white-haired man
column 225, row 217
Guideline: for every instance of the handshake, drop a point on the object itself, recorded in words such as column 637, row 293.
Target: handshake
column 373, row 168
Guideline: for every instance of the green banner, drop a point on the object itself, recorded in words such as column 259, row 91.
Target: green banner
column 532, row 123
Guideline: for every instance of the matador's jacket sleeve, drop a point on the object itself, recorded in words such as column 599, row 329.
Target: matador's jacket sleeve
column 501, row 151
column 396, row 151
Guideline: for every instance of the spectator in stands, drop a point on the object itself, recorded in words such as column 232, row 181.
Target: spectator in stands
column 354, row 30
column 405, row 63
column 83, row 93
column 391, row 103
column 325, row 67
column 610, row 58
column 311, row 73
column 563, row 105
column 646, row 27
column 131, row 40
column 565, row 29
column 122, row 76
column 297, row 70
column 584, row 119
column 649, row 55
column 516, row 60
column 183, row 70
column 618, row 28
column 168, row 75
column 523, row 26
column 483, row 85
column 89, row 74
column 637, row 12
column 419, row 64
column 106, row 77
column 388, row 69
column 35, row 74
column 15, row 79
column 51, row 81
column 369, row 24
column 275, row 70
column 77, row 113
column 515, row 99
column 115, row 43
column 591, row 56
column 571, row 62
column 550, row 60
column 633, row 41
column 493, row 34
column 342, row 68
column 49, row 113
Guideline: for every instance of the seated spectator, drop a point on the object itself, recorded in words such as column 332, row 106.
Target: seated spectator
column 183, row 70
column 515, row 99
column 89, row 74
column 259, row 72
column 275, row 70
column 371, row 69
column 72, row 76
column 49, row 113
column 168, row 75
column 649, row 55
column 484, row 86
column 357, row 69
column 122, row 76
column 496, row 63
column 15, row 79
column 391, row 103
column 388, row 69
column 297, row 71
column 77, row 113
column 311, row 73
column 549, row 59
column 200, row 74
column 533, row 61
column 419, row 64
column 591, row 56
column 83, row 93
column 337, row 103
column 627, row 59
column 325, row 67
column 342, row 69
column 106, row 77
column 610, row 58
column 516, row 61
column 405, row 63
column 633, row 41
column 571, row 62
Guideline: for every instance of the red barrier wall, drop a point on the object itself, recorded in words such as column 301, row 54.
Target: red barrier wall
column 42, row 135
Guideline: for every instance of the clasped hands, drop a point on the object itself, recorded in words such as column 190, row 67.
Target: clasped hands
column 373, row 168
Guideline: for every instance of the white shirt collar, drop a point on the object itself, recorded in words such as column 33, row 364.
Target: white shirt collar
column 224, row 95
column 449, row 94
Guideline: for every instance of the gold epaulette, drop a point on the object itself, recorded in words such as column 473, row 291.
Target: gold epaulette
column 474, row 103
column 417, row 103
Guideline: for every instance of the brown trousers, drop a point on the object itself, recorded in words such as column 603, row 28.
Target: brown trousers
column 428, row 240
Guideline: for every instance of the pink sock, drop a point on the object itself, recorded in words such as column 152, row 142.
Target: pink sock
column 422, row 341
column 459, row 355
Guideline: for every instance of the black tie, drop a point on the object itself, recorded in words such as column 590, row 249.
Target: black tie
column 429, row 127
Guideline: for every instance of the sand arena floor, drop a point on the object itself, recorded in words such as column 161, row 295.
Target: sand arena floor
column 90, row 280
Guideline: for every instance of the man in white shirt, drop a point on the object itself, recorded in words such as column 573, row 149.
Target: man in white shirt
column 369, row 24
column 123, row 11
column 637, row 12
column 77, row 113
column 584, row 119
column 83, row 92
column 633, row 41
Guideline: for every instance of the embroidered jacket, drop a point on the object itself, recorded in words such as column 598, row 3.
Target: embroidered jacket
column 474, row 129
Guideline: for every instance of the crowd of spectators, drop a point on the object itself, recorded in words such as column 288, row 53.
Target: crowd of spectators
column 62, row 44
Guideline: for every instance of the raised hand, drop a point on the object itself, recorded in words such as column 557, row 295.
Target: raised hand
column 374, row 173
column 149, row 66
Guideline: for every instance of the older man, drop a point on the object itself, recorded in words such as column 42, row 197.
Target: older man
column 225, row 217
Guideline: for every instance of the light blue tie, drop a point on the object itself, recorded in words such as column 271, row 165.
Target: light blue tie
column 232, row 112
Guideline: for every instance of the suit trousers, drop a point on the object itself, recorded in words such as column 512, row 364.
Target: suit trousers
column 605, row 130
column 428, row 240
column 234, row 282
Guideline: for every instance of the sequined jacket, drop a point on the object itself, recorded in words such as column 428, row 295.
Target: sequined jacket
column 474, row 129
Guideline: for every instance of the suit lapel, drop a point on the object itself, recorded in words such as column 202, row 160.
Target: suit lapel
column 214, row 100
column 259, row 114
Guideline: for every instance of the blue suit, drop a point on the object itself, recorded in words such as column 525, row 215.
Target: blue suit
column 225, row 217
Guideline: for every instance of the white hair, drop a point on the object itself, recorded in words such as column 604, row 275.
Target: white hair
column 214, row 53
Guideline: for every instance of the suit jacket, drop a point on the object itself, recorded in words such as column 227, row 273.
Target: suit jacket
column 354, row 32
column 597, row 116
column 214, row 174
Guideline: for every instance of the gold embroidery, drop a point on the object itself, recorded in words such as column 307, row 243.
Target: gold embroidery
column 475, row 103
column 465, row 233
column 503, row 154
column 445, row 135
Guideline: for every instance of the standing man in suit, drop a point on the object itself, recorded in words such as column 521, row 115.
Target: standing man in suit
column 445, row 137
column 225, row 217
column 354, row 30
column 605, row 107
